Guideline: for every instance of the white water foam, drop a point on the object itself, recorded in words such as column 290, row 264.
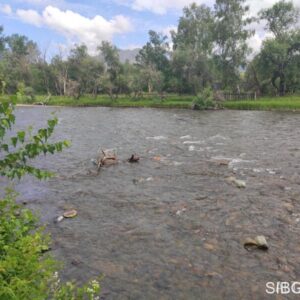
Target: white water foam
column 156, row 138
column 193, row 142
column 185, row 137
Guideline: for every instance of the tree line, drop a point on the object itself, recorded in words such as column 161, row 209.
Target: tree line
column 209, row 49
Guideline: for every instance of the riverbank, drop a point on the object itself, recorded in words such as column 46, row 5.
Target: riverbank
column 278, row 103
column 174, row 101
column 122, row 101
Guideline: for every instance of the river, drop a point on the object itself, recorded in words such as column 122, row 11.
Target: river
column 172, row 226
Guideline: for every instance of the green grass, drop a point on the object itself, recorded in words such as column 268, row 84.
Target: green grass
column 275, row 103
column 172, row 101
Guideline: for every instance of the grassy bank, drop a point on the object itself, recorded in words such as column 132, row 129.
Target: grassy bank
column 123, row 101
column 171, row 101
column 278, row 103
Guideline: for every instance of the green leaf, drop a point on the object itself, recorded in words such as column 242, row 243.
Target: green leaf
column 67, row 143
column 21, row 136
column 14, row 141
column 4, row 147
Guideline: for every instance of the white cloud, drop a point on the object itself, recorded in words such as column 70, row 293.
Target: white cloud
column 42, row 3
column 75, row 27
column 6, row 9
column 30, row 16
column 161, row 6
column 164, row 6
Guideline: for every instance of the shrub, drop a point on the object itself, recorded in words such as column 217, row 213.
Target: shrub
column 25, row 94
column 204, row 100
column 25, row 272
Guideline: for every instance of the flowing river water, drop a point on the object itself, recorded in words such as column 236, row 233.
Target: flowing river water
column 172, row 226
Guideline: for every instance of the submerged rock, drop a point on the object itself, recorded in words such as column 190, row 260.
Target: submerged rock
column 70, row 214
column 59, row 219
column 157, row 158
column 259, row 242
column 180, row 211
column 238, row 183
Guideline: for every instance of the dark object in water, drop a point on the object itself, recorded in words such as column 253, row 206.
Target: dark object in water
column 134, row 158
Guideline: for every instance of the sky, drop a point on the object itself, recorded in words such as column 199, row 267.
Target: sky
column 56, row 25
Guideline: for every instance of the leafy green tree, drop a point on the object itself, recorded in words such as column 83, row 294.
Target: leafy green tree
column 278, row 61
column 43, row 77
column 19, row 54
column 60, row 71
column 195, row 30
column 153, row 60
column 193, row 45
column 281, row 18
column 230, row 36
column 2, row 48
column 2, row 40
column 111, row 57
column 84, row 70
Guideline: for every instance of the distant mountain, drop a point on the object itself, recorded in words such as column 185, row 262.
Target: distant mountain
column 126, row 54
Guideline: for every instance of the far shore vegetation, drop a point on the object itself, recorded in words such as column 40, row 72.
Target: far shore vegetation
column 208, row 57
column 156, row 101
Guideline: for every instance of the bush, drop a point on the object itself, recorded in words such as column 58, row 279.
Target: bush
column 25, row 272
column 204, row 100
column 29, row 94
column 25, row 94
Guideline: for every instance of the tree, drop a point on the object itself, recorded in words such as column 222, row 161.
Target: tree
column 60, row 70
column 19, row 54
column 230, row 36
column 279, row 56
column 2, row 40
column 193, row 44
column 195, row 30
column 2, row 48
column 278, row 61
column 153, row 59
column 281, row 18
column 84, row 72
column 111, row 57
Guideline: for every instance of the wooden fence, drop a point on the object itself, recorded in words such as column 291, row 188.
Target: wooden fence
column 239, row 96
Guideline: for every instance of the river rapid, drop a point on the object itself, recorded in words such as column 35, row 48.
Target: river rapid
column 172, row 226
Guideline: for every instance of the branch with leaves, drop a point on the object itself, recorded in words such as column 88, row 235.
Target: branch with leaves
column 17, row 150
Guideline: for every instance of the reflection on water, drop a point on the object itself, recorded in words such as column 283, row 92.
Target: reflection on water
column 171, row 227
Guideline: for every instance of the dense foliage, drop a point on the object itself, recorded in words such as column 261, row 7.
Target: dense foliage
column 25, row 272
column 210, row 49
